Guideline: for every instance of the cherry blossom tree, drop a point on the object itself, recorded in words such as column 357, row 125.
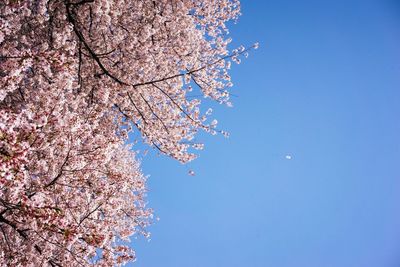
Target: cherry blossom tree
column 76, row 78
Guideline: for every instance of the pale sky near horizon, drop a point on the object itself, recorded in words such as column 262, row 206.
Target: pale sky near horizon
column 310, row 176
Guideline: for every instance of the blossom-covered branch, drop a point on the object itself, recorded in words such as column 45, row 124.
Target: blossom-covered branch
column 76, row 78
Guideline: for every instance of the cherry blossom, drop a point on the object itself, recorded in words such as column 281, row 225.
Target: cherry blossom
column 77, row 78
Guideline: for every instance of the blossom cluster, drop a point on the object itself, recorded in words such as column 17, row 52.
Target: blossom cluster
column 76, row 78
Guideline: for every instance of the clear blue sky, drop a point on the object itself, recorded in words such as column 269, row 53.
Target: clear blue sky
column 324, row 87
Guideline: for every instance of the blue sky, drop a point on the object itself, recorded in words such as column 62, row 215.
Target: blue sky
column 324, row 87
